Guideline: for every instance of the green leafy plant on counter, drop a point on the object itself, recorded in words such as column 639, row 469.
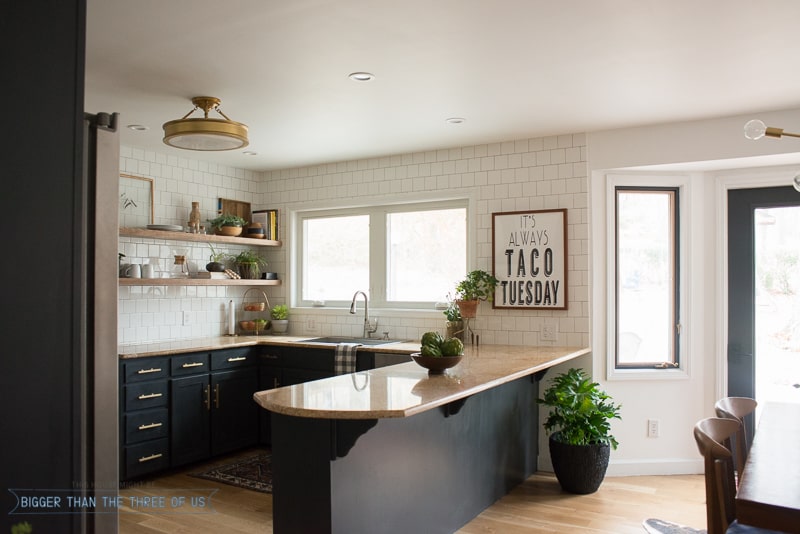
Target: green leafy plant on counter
column 22, row 528
column 226, row 219
column 477, row 285
column 580, row 412
column 279, row 312
column 452, row 312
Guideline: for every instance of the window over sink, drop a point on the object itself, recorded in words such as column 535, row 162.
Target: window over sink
column 403, row 255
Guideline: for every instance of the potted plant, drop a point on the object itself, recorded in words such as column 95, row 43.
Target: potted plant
column 280, row 318
column 216, row 262
column 579, row 424
column 227, row 224
column 476, row 286
column 454, row 324
column 249, row 264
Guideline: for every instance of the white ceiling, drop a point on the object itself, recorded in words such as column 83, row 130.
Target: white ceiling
column 513, row 69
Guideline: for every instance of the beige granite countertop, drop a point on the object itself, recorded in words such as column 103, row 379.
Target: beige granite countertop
column 406, row 389
column 145, row 350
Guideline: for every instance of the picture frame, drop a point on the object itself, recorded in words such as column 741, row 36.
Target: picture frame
column 529, row 258
column 136, row 209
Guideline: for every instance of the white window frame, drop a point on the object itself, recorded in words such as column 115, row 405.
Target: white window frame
column 377, row 262
column 683, row 184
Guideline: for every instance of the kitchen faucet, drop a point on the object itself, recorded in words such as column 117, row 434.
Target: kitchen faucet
column 369, row 327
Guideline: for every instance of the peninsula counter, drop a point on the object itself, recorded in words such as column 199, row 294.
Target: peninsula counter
column 395, row 449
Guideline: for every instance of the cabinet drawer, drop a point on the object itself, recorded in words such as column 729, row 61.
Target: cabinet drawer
column 146, row 425
column 146, row 395
column 271, row 359
column 232, row 359
column 146, row 457
column 143, row 369
column 189, row 364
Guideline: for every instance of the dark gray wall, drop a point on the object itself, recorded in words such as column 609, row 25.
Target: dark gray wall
column 42, row 97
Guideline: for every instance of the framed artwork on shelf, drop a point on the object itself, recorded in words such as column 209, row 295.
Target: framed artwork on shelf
column 269, row 221
column 529, row 257
column 135, row 201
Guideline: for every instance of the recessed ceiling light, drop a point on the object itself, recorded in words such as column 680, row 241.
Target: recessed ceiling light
column 361, row 76
column 250, row 153
column 138, row 127
column 455, row 120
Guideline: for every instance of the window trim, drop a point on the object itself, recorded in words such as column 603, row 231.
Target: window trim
column 683, row 223
column 675, row 247
column 377, row 262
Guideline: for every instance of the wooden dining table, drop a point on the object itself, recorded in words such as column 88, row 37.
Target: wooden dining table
column 769, row 491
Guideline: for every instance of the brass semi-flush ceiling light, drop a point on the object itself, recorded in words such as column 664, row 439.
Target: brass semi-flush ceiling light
column 205, row 133
column 756, row 129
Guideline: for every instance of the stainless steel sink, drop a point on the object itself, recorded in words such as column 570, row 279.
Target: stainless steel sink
column 344, row 339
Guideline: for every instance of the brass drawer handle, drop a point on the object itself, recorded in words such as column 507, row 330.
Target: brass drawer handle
column 151, row 457
column 239, row 359
column 150, row 396
column 151, row 425
column 195, row 364
column 146, row 371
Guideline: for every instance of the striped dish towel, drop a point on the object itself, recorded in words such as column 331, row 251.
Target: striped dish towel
column 345, row 359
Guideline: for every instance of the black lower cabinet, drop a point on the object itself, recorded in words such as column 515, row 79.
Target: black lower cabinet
column 190, row 406
column 234, row 413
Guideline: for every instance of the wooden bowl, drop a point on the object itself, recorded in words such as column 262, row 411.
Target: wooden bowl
column 436, row 365
column 232, row 231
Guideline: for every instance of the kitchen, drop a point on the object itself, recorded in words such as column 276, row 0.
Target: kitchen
column 709, row 139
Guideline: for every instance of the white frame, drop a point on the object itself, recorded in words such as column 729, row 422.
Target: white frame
column 685, row 245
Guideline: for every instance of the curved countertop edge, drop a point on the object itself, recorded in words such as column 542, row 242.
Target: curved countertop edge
column 482, row 380
column 169, row 348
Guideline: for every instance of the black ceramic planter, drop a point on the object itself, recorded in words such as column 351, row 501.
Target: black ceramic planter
column 579, row 468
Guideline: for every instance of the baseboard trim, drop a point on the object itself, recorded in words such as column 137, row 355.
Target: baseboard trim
column 644, row 466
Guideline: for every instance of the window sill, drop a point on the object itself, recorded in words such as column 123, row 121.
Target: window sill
column 647, row 374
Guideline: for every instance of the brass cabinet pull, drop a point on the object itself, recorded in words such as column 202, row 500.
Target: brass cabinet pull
column 275, row 382
column 151, row 370
column 194, row 364
column 151, row 457
column 270, row 356
column 207, row 397
column 239, row 359
column 216, row 396
column 150, row 396
column 151, row 425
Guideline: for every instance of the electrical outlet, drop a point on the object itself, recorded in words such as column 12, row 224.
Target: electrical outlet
column 311, row 325
column 549, row 332
column 652, row 428
column 187, row 318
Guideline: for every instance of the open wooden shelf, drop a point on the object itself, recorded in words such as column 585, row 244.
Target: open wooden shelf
column 197, row 238
column 195, row 282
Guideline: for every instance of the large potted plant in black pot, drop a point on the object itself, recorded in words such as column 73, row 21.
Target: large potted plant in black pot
column 579, row 424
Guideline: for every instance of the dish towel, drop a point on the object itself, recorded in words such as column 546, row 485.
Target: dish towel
column 345, row 359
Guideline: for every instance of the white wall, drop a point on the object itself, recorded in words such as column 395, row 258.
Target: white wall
column 695, row 149
column 522, row 174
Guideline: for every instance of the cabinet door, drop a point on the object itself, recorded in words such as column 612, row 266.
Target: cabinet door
column 190, row 406
column 234, row 414
column 270, row 378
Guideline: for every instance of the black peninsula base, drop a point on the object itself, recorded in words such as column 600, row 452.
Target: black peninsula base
column 431, row 472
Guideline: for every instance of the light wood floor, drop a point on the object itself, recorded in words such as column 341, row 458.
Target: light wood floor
column 536, row 505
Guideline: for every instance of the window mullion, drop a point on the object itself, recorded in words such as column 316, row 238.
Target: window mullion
column 378, row 251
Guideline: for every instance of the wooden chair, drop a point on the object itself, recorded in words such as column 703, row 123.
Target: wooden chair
column 710, row 434
column 737, row 408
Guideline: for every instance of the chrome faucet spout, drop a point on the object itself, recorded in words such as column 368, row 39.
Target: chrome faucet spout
column 368, row 327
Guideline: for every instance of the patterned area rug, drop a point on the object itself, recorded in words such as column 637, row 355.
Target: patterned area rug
column 659, row 526
column 254, row 473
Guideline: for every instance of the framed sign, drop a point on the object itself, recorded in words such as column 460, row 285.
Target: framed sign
column 135, row 201
column 529, row 256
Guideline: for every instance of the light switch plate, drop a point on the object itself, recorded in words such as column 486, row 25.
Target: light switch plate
column 187, row 318
column 549, row 332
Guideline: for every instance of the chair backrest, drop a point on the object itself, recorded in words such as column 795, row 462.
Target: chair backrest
column 710, row 434
column 737, row 408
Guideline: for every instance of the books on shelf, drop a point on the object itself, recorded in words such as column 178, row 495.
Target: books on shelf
column 269, row 221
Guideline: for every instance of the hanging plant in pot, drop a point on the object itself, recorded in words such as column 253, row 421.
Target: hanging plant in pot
column 227, row 224
column 249, row 264
column 478, row 285
column 579, row 424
